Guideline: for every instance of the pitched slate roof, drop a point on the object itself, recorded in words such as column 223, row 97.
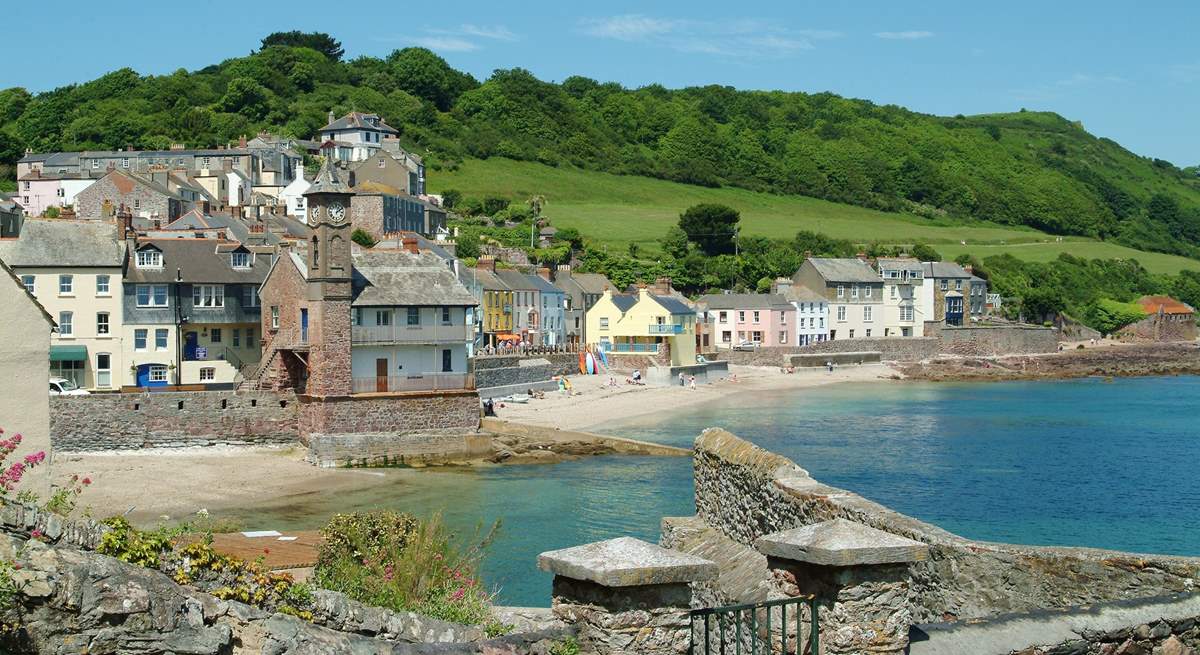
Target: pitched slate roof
column 845, row 270
column 745, row 301
column 197, row 261
column 396, row 277
column 490, row 281
column 517, row 280
column 624, row 301
column 673, row 305
column 359, row 121
column 58, row 242
column 542, row 284
column 944, row 270
column 801, row 293
column 899, row 263
column 592, row 282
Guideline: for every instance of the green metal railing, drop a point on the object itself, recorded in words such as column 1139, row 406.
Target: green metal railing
column 766, row 628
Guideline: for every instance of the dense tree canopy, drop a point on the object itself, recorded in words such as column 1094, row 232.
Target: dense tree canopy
column 712, row 227
column 1026, row 168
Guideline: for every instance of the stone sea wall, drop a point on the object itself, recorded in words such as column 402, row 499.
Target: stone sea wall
column 962, row 579
column 990, row 341
column 171, row 419
column 889, row 348
column 493, row 371
column 390, row 415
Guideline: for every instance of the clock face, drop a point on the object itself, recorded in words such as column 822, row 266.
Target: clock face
column 337, row 213
column 314, row 213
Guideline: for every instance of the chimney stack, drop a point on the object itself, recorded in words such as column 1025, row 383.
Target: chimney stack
column 486, row 263
column 544, row 273
column 242, row 141
column 969, row 269
column 410, row 245
column 808, row 254
column 862, row 256
column 220, row 235
column 125, row 220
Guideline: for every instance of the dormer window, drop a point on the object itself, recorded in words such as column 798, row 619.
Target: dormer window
column 149, row 259
column 240, row 260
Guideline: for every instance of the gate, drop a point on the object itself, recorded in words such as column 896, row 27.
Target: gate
column 767, row 628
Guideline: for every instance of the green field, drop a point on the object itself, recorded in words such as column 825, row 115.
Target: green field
column 617, row 210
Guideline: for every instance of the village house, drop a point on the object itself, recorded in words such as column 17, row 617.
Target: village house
column 379, row 212
column 354, row 137
column 25, row 336
column 552, row 307
column 643, row 323
column 853, row 290
column 526, row 304
column 12, row 215
column 580, row 292
column 146, row 197
column 903, row 279
column 40, row 190
column 47, row 163
column 951, row 294
column 1167, row 319
column 191, row 310
column 496, row 300
column 362, row 321
column 396, row 170
column 74, row 269
column 750, row 319
column 292, row 195
column 812, row 311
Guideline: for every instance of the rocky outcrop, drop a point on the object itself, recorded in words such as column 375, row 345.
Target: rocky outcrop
column 1114, row 361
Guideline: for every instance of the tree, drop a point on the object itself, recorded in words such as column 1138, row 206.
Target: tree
column 424, row 74
column 451, row 198
column 1041, row 302
column 319, row 41
column 924, row 253
column 363, row 238
column 1108, row 316
column 247, row 97
column 674, row 242
column 710, row 226
column 536, row 202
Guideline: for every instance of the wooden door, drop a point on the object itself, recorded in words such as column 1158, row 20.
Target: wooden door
column 381, row 374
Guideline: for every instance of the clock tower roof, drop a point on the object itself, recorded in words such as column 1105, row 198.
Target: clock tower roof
column 328, row 180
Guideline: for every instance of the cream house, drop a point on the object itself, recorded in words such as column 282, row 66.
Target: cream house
column 73, row 268
column 643, row 324
column 24, row 377
column 903, row 280
column 854, row 292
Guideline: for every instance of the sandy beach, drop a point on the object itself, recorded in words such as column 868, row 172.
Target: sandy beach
column 150, row 484
column 594, row 402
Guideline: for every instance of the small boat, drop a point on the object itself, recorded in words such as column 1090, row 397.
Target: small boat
column 591, row 364
column 582, row 362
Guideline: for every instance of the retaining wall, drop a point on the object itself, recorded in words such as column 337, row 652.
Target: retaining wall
column 841, row 359
column 906, row 349
column 171, row 419
column 962, row 579
column 521, row 371
column 666, row 376
column 990, row 341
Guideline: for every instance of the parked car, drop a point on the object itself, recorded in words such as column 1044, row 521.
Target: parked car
column 747, row 345
column 65, row 387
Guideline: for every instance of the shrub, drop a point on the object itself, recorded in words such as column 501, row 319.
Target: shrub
column 389, row 559
column 363, row 238
column 1108, row 316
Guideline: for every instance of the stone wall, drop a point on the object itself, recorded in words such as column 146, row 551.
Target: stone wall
column 1163, row 626
column 819, row 360
column 990, row 341
column 889, row 349
column 172, row 419
column 962, row 578
column 1165, row 327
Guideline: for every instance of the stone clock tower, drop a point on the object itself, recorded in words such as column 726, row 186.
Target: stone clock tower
column 329, row 287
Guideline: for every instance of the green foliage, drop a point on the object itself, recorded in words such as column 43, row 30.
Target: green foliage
column 319, row 41
column 925, row 253
column 392, row 560
column 675, row 243
column 568, row 646
column 451, row 198
column 1108, row 316
column 128, row 544
column 363, row 238
column 711, row 227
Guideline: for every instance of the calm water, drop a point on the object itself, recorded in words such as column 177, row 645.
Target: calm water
column 1082, row 462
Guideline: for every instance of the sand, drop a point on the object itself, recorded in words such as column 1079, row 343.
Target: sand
column 148, row 485
column 594, row 402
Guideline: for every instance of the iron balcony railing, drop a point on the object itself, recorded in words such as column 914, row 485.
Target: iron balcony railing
column 417, row 382
column 435, row 333
column 665, row 328
column 766, row 628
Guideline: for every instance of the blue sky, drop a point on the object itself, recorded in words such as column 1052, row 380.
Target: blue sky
column 1129, row 73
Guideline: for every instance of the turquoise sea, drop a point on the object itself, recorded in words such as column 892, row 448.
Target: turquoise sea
column 1109, row 464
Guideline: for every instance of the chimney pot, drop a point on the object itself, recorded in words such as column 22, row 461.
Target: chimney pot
column 410, row 245
column 969, row 269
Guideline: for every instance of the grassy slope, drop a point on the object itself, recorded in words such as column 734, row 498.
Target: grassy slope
column 616, row 210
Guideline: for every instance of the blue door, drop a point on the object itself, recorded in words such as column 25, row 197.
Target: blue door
column 143, row 375
column 304, row 325
column 189, row 346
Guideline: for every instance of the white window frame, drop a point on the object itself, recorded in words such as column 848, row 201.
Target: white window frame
column 152, row 295
column 103, row 324
column 104, row 375
column 854, row 291
column 158, row 373
column 66, row 285
column 413, row 318
column 149, row 259
column 755, row 316
column 867, row 291
column 250, row 296
column 66, row 324
column 162, row 339
column 140, row 335
column 208, row 374
column 30, row 284
column 841, row 313
column 235, row 257
column 603, row 322
column 103, row 285
column 274, row 317
column 841, row 291
column 208, row 296
column 868, row 314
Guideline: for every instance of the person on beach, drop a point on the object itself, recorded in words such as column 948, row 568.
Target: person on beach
column 692, row 382
column 681, row 378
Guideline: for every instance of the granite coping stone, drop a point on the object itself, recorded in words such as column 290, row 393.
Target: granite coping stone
column 626, row 562
column 841, row 543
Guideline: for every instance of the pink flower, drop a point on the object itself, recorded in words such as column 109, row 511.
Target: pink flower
column 458, row 594
column 36, row 534
column 388, row 572
column 87, row 481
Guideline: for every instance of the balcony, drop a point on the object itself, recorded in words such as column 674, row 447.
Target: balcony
column 640, row 348
column 665, row 328
column 411, row 334
column 420, row 382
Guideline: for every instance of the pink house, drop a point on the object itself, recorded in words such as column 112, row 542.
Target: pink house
column 37, row 191
column 761, row 319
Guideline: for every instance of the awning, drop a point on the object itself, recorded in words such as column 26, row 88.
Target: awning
column 68, row 353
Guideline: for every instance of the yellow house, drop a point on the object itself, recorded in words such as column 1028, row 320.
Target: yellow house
column 643, row 323
column 495, row 303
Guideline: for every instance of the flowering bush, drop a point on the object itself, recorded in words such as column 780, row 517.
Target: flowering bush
column 10, row 475
column 393, row 560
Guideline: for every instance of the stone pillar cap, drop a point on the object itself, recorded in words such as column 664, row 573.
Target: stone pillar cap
column 841, row 543
column 626, row 562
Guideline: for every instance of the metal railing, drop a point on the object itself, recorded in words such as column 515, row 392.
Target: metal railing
column 434, row 333
column 766, row 628
column 665, row 328
column 418, row 382
column 633, row 348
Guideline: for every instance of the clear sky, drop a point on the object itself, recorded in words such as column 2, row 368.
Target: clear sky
column 1129, row 70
